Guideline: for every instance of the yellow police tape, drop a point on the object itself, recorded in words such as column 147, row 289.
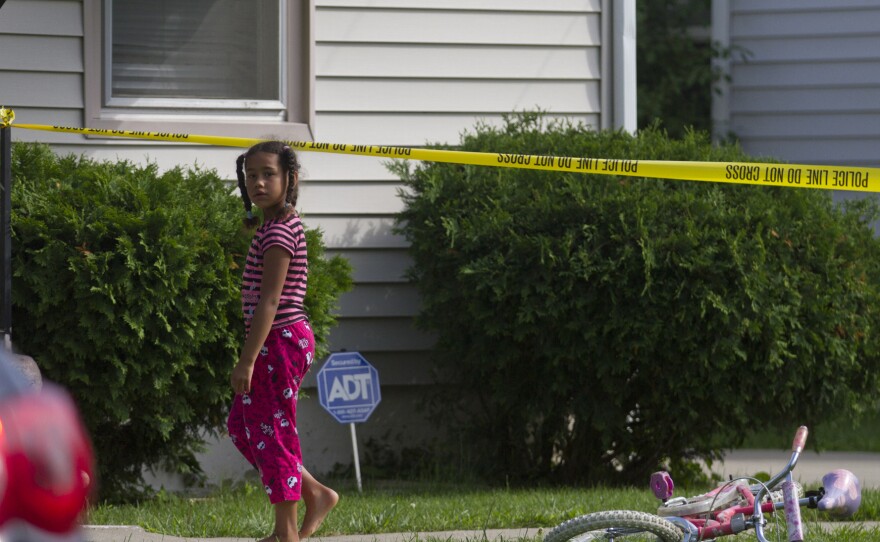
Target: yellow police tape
column 788, row 175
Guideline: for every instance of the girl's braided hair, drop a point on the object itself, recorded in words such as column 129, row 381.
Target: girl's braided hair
column 289, row 163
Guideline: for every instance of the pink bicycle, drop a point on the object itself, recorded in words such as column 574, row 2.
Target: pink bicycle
column 734, row 507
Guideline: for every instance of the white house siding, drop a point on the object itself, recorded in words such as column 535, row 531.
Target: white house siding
column 389, row 72
column 810, row 90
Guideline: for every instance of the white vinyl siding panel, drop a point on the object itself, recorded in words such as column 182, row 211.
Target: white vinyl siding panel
column 814, row 73
column 345, row 232
column 821, row 48
column 367, row 335
column 376, row 267
column 808, row 101
column 567, row 6
column 772, row 125
column 784, row 6
column 771, row 22
column 42, row 18
column 335, row 95
column 41, row 53
column 42, row 89
column 809, row 89
column 351, row 198
column 386, row 300
column 326, row 166
column 457, row 61
column 462, row 26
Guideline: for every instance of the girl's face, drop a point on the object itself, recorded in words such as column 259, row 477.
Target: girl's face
column 266, row 182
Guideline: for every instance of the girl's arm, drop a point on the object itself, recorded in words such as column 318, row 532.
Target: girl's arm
column 276, row 260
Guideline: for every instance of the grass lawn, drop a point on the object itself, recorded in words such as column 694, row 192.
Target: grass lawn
column 244, row 511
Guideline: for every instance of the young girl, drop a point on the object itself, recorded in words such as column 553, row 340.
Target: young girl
column 279, row 346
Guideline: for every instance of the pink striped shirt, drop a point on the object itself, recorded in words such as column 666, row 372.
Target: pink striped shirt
column 288, row 234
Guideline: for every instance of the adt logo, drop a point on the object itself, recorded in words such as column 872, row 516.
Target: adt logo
column 348, row 387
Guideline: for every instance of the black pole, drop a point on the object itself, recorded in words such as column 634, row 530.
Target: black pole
column 6, row 234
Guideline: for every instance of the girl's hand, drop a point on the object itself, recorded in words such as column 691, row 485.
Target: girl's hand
column 241, row 377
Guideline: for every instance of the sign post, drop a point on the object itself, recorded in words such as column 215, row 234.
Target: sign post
column 6, row 232
column 348, row 388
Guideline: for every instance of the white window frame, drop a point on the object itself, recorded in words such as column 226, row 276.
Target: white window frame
column 290, row 118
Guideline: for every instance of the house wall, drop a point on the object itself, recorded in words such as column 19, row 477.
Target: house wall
column 388, row 72
column 808, row 90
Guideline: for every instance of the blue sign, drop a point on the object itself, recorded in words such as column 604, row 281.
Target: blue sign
column 348, row 387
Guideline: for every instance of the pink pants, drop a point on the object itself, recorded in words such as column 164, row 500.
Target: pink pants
column 262, row 423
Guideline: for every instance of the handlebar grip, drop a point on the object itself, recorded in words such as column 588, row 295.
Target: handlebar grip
column 800, row 439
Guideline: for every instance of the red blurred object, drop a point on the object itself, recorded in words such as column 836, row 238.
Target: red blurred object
column 46, row 464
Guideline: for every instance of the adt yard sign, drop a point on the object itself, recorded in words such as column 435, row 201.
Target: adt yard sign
column 348, row 387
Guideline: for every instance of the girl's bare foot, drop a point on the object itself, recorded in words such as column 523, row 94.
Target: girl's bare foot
column 320, row 501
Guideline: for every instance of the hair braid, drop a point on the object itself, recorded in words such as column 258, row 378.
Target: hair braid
column 249, row 221
column 291, row 164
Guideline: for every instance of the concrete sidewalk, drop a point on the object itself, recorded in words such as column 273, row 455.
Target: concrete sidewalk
column 136, row 534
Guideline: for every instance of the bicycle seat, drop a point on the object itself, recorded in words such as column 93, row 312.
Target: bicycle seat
column 662, row 485
column 843, row 494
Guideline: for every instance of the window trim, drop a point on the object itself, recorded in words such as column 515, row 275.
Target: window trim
column 299, row 73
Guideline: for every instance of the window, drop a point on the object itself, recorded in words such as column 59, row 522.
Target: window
column 215, row 67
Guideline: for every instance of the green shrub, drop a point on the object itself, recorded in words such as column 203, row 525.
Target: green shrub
column 596, row 327
column 126, row 291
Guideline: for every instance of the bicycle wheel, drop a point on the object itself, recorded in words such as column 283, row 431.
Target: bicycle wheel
column 624, row 525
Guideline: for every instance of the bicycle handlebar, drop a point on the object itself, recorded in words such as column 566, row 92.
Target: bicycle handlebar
column 800, row 438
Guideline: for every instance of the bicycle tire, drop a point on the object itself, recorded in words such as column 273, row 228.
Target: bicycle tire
column 626, row 525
